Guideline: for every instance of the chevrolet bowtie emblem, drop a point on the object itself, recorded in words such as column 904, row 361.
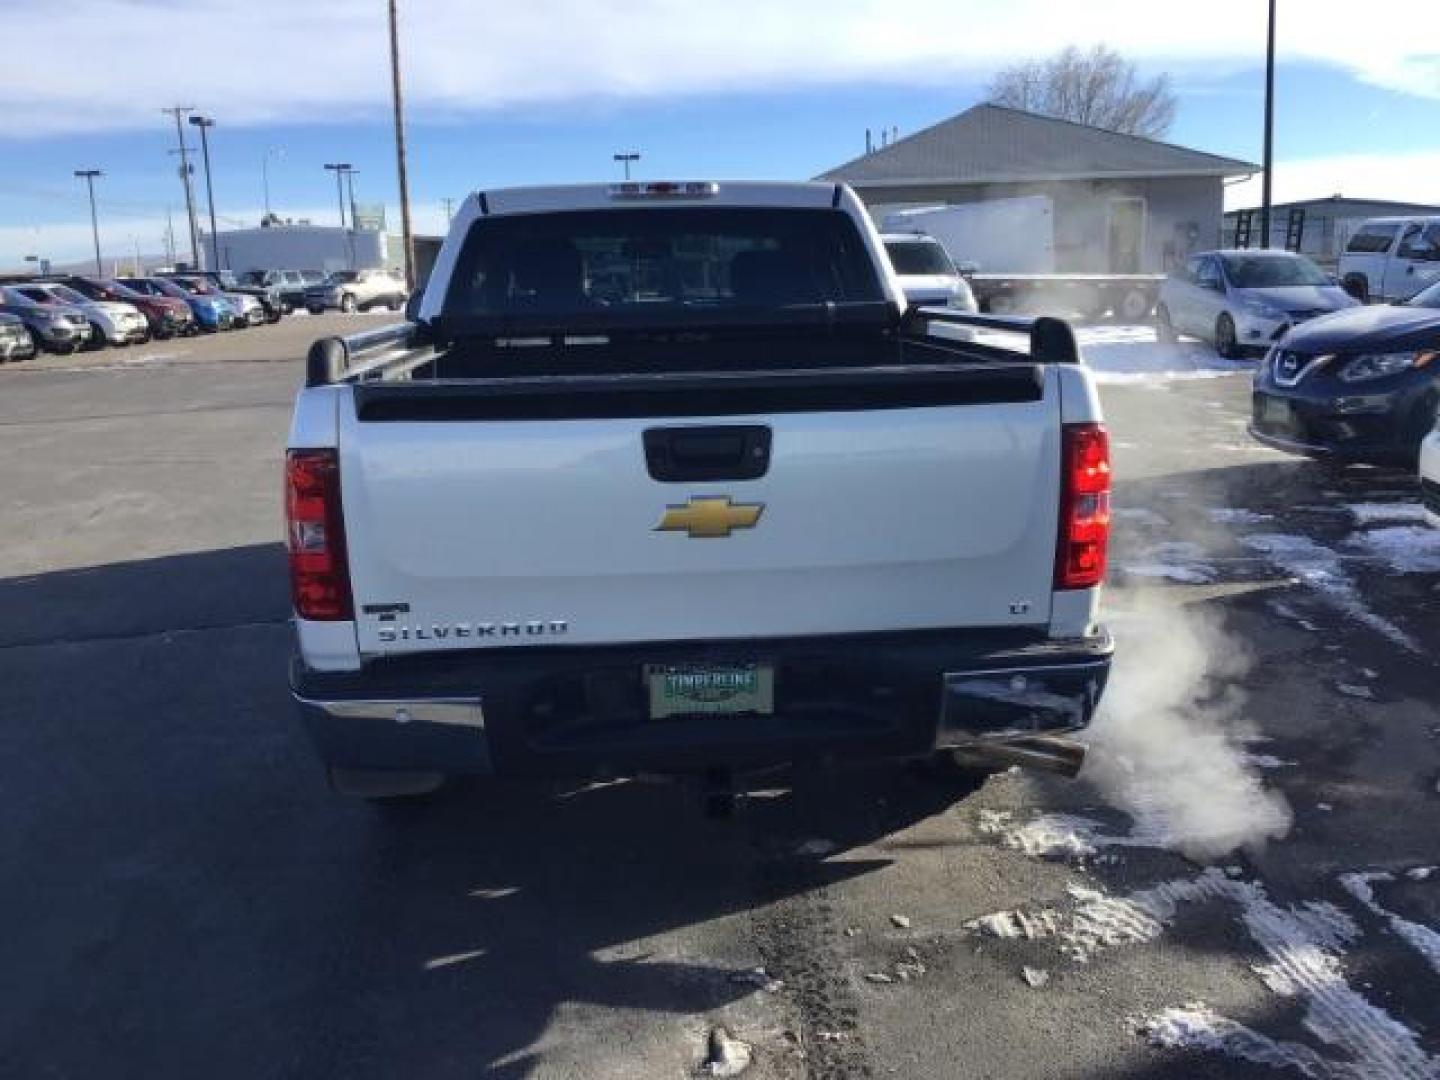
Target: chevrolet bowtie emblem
column 710, row 518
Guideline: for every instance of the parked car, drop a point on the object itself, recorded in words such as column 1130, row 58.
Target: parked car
column 16, row 343
column 926, row 273
column 269, row 299
column 356, row 290
column 1391, row 258
column 55, row 327
column 1357, row 386
column 211, row 310
column 286, row 286
column 1241, row 300
column 249, row 311
column 111, row 321
column 165, row 315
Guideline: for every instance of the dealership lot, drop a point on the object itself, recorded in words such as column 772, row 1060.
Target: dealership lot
column 196, row 902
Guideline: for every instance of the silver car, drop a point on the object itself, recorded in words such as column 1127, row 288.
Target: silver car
column 1246, row 299
column 112, row 321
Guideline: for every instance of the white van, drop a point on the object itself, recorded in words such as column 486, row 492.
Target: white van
column 1391, row 258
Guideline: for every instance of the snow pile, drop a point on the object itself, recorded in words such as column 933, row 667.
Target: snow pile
column 1408, row 549
column 1319, row 567
column 1163, row 748
column 1131, row 354
column 1067, row 836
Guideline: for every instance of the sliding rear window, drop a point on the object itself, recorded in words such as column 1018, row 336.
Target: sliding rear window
column 672, row 259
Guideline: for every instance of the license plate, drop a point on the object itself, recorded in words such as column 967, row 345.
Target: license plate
column 688, row 689
column 1275, row 411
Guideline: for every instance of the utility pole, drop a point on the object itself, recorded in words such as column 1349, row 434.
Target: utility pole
column 179, row 112
column 406, row 238
column 340, row 168
column 205, row 123
column 89, row 175
column 1269, row 131
column 265, row 174
column 169, row 237
column 625, row 159
column 449, row 210
column 350, row 197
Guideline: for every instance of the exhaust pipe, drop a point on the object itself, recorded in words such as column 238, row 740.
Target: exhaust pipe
column 1045, row 752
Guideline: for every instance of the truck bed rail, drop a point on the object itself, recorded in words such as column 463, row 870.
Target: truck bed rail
column 387, row 352
column 1052, row 341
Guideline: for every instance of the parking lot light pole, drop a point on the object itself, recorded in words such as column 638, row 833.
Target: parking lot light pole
column 1265, row 187
column 205, row 123
column 626, row 159
column 89, row 175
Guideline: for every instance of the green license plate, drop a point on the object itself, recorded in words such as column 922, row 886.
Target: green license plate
column 688, row 689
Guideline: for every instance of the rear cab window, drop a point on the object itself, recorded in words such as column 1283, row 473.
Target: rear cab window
column 1373, row 238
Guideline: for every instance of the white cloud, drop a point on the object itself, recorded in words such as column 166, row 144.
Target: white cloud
column 1405, row 177
column 260, row 61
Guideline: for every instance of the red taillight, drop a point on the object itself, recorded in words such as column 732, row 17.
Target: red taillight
column 315, row 535
column 1084, row 506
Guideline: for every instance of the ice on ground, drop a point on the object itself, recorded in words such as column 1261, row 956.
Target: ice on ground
column 1408, row 549
column 1179, row 561
column 1230, row 515
column 1374, row 513
column 1121, row 355
column 1303, row 947
column 1138, row 515
column 1418, row 936
column 1320, row 568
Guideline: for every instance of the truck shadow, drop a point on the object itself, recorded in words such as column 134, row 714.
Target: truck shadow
column 196, row 902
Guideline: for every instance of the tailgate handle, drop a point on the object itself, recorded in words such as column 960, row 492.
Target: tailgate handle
column 726, row 452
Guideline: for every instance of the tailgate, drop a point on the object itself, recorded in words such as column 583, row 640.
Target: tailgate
column 468, row 532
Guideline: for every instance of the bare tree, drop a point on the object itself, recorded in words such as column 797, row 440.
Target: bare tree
column 1099, row 88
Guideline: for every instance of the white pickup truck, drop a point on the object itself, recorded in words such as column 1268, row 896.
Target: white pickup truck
column 663, row 477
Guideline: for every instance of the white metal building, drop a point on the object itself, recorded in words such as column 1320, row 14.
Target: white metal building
column 307, row 247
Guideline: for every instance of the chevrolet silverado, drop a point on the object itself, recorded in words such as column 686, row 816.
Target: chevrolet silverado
column 665, row 478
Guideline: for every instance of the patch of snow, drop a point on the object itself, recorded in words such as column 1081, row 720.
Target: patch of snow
column 1409, row 549
column 1266, row 761
column 1121, row 355
column 1179, row 561
column 1319, row 567
column 1065, row 835
column 1230, row 515
column 1138, row 515
column 1420, row 873
column 1196, row 1026
column 1417, row 935
column 1374, row 513
column 1036, row 977
column 1364, row 693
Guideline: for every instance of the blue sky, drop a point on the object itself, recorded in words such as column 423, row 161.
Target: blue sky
column 749, row 91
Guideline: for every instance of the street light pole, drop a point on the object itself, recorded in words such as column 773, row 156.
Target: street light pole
column 626, row 159
column 205, row 123
column 406, row 238
column 265, row 174
column 350, row 195
column 89, row 175
column 1269, row 131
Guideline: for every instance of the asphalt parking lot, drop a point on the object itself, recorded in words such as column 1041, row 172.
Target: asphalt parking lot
column 1240, row 885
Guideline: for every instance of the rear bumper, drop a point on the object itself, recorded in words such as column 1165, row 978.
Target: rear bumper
column 557, row 711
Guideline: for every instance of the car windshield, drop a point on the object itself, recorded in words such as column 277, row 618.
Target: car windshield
column 618, row 263
column 169, row 288
column 1426, row 298
column 918, row 257
column 118, row 291
column 1272, row 271
column 68, row 295
column 197, row 286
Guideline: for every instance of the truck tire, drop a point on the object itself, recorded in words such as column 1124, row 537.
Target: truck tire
column 347, row 303
column 383, row 786
column 1358, row 286
column 1165, row 326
